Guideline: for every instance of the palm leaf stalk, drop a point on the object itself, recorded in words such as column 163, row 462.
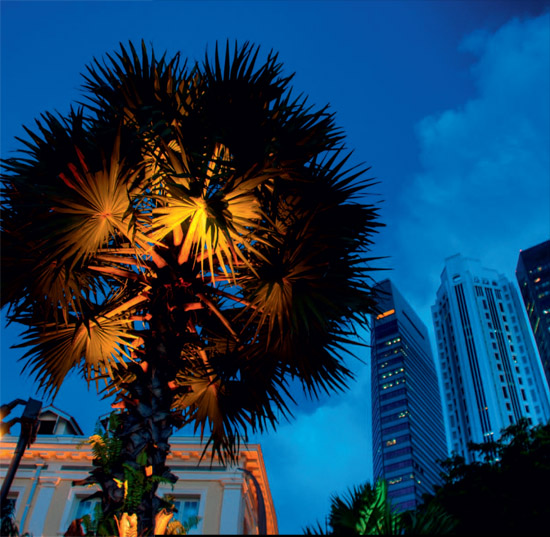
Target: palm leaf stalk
column 194, row 238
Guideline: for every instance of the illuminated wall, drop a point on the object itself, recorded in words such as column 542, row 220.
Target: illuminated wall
column 225, row 498
column 491, row 371
column 407, row 424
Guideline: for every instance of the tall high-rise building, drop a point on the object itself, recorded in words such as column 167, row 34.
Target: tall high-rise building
column 533, row 274
column 408, row 431
column 491, row 372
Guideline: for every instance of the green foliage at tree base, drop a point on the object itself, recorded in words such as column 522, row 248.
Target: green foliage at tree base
column 367, row 510
column 8, row 526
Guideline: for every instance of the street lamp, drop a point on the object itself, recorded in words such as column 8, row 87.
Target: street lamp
column 29, row 427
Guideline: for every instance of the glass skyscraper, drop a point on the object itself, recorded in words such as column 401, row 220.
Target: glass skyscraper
column 408, row 432
column 533, row 275
column 491, row 372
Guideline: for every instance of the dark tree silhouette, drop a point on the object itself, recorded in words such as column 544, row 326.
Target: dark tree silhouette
column 504, row 492
column 194, row 237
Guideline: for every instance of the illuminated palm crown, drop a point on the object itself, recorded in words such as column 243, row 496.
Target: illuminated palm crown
column 190, row 234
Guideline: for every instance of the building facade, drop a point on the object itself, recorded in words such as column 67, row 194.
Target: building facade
column 408, row 431
column 533, row 275
column 227, row 500
column 491, row 373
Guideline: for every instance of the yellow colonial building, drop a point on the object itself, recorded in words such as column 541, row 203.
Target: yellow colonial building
column 228, row 500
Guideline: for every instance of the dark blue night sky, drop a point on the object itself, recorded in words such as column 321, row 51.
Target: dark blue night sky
column 447, row 101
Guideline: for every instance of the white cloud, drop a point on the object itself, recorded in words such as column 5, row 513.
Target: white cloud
column 484, row 189
column 319, row 454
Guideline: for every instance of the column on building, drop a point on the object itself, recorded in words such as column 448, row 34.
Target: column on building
column 41, row 505
column 232, row 507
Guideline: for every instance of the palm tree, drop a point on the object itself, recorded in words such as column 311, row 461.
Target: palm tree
column 193, row 237
column 367, row 510
column 364, row 510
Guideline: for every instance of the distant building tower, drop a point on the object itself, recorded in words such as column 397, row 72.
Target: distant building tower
column 533, row 274
column 491, row 372
column 408, row 431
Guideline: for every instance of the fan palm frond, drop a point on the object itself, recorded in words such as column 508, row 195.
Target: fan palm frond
column 143, row 90
column 96, row 345
column 96, row 208
column 211, row 215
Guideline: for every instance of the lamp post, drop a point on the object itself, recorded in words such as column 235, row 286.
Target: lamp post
column 29, row 427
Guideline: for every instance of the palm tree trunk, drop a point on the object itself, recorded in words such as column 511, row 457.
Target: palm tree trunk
column 145, row 433
column 148, row 420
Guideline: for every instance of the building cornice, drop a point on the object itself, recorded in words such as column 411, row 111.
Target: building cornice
column 188, row 450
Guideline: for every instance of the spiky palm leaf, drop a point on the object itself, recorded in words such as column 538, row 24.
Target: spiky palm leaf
column 210, row 215
column 93, row 345
column 94, row 211
column 363, row 510
column 145, row 92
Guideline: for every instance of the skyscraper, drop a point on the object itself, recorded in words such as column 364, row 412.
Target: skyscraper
column 533, row 274
column 491, row 372
column 407, row 424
